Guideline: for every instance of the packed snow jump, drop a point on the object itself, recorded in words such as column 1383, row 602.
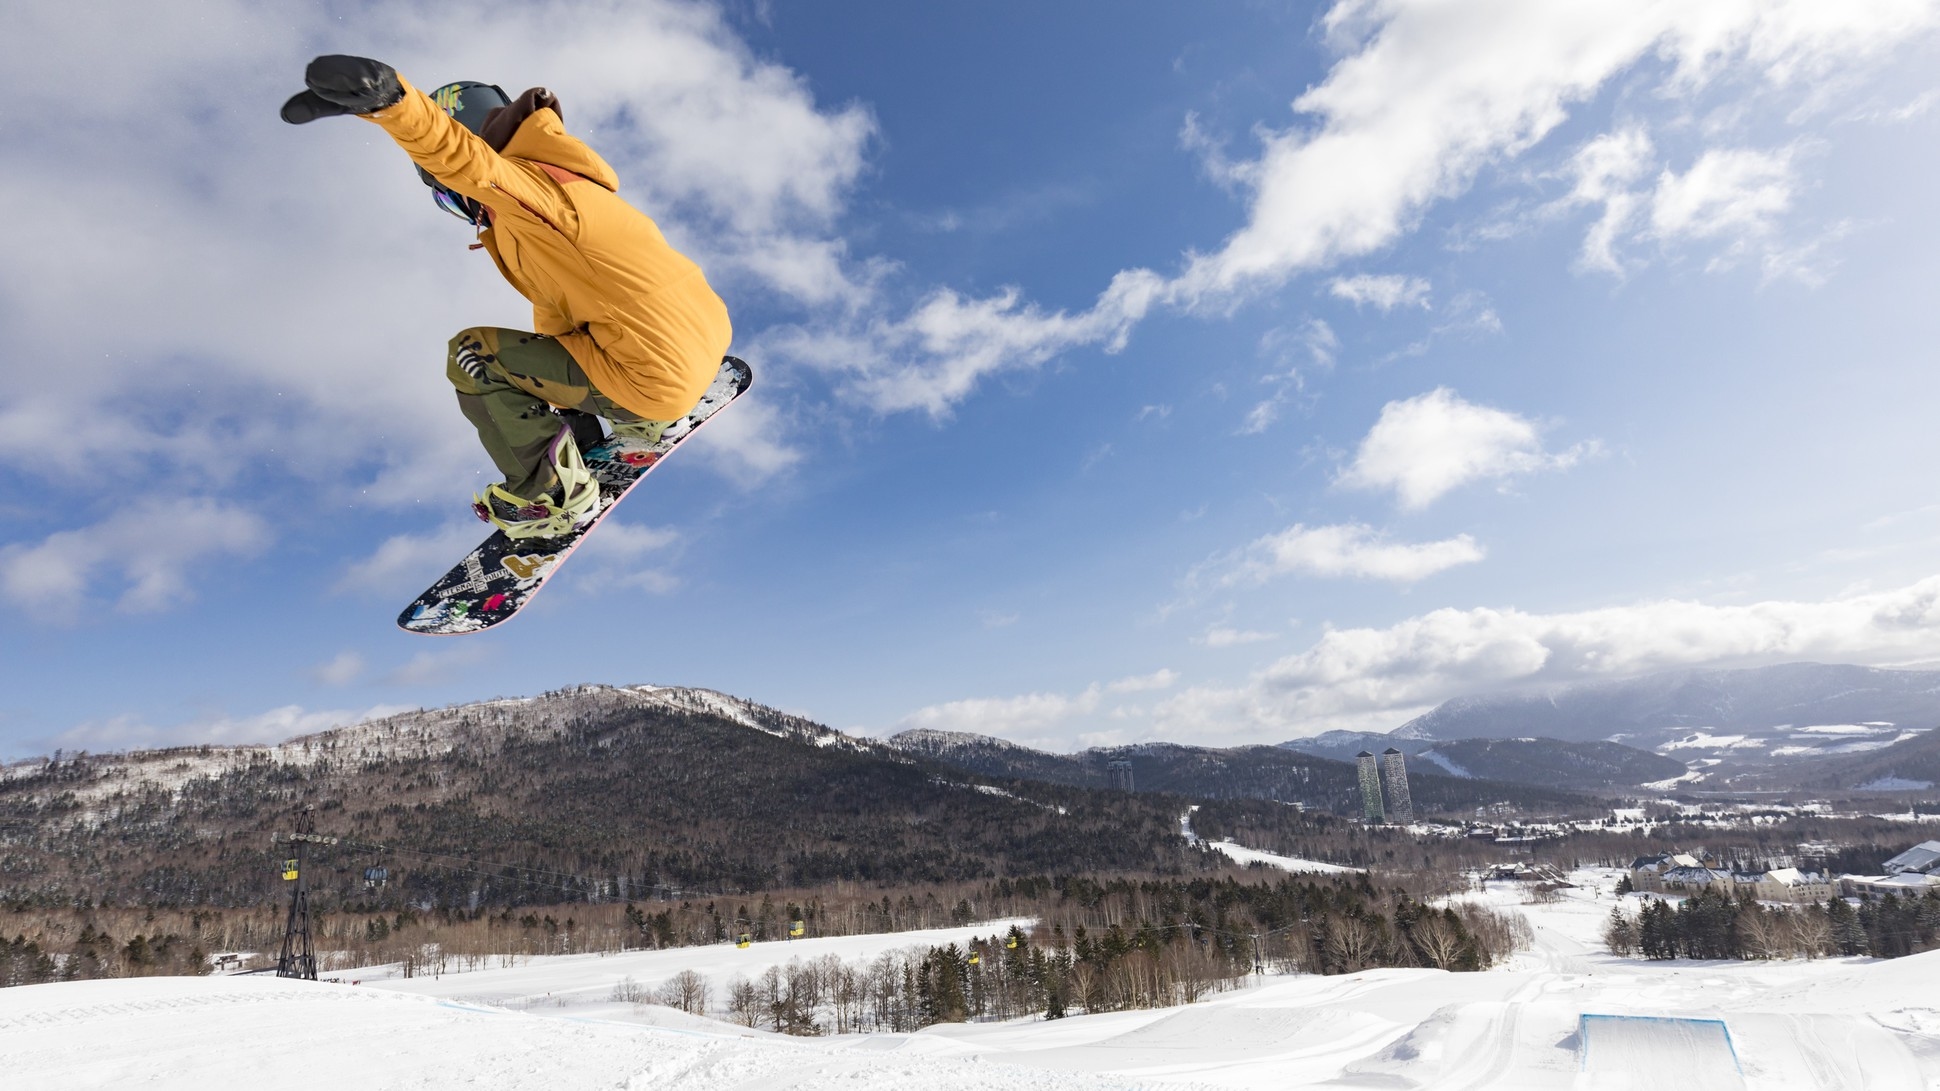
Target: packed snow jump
column 625, row 327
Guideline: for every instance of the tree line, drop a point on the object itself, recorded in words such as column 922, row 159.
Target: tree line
column 1115, row 928
column 1713, row 925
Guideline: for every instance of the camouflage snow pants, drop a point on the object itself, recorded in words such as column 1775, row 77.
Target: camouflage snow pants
column 508, row 382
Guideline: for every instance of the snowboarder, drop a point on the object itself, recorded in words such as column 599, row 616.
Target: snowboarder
column 624, row 326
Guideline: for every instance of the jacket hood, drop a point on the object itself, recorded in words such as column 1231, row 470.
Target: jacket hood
column 532, row 128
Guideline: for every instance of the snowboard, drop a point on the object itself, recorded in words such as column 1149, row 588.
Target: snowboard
column 496, row 580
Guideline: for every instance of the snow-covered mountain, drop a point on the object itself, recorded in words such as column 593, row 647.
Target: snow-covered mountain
column 1658, row 708
column 1773, row 728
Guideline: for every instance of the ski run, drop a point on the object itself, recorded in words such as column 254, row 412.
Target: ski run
column 1562, row 1014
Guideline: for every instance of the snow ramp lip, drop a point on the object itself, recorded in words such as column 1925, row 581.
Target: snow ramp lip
column 1633, row 1053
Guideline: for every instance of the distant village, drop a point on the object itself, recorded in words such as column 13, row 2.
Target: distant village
column 1913, row 872
column 1385, row 801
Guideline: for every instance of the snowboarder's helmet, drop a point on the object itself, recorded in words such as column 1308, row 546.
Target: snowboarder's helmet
column 469, row 103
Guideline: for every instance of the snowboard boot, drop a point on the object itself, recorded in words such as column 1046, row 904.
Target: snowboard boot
column 587, row 432
column 556, row 508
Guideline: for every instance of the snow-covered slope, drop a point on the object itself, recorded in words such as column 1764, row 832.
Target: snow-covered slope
column 1786, row 1026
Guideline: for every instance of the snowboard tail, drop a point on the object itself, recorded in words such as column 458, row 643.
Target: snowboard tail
column 495, row 581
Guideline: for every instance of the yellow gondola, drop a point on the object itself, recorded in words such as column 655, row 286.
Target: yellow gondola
column 743, row 940
column 289, row 870
column 1010, row 941
column 794, row 929
column 976, row 959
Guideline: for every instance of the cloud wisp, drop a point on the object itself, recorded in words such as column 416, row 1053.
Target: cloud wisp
column 1383, row 293
column 1342, row 550
column 133, row 732
column 1034, row 718
column 151, row 551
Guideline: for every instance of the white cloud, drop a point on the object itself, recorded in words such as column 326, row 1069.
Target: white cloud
column 1733, row 196
column 346, row 667
column 1260, row 417
column 1163, row 678
column 146, row 553
column 1382, row 292
column 132, row 732
column 1726, row 192
column 1031, row 719
column 932, row 358
column 406, row 563
column 1221, row 636
column 1349, row 549
column 1293, row 351
column 1425, row 96
column 435, row 667
column 1605, row 170
column 1379, row 677
column 747, row 443
column 619, row 542
column 1425, row 446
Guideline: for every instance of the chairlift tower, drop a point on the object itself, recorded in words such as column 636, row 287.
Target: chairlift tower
column 299, row 957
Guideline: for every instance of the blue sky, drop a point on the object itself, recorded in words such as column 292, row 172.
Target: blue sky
column 1217, row 373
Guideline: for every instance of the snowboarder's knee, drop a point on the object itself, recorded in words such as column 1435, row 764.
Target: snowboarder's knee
column 469, row 362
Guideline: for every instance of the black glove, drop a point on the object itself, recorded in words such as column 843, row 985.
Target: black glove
column 343, row 85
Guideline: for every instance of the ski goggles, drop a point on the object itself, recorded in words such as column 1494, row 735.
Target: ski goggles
column 458, row 206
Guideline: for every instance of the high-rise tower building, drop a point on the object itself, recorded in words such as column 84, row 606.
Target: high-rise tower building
column 1370, row 787
column 1120, row 772
column 1394, row 777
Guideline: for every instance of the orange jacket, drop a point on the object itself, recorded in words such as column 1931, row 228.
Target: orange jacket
column 635, row 313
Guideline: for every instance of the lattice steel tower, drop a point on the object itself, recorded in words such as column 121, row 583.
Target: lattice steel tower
column 299, row 957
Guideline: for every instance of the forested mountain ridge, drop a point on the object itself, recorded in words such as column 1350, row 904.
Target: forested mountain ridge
column 1243, row 772
column 1549, row 762
column 619, row 791
column 627, row 789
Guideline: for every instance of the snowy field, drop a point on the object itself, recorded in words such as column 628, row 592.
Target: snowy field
column 550, row 1023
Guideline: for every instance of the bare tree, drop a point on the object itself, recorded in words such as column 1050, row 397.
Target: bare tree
column 628, row 991
column 1085, row 990
column 1352, row 943
column 773, row 990
column 744, row 1002
column 687, row 991
column 1439, row 939
column 1811, row 931
column 1762, row 932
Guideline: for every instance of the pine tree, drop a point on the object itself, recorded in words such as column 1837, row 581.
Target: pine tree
column 1848, row 935
column 1619, row 935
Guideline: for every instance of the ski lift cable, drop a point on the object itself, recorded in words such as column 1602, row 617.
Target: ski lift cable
column 579, row 886
column 473, row 860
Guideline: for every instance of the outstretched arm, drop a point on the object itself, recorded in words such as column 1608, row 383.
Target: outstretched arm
column 448, row 151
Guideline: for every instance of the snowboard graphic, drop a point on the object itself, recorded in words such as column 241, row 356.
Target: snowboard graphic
column 498, row 578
